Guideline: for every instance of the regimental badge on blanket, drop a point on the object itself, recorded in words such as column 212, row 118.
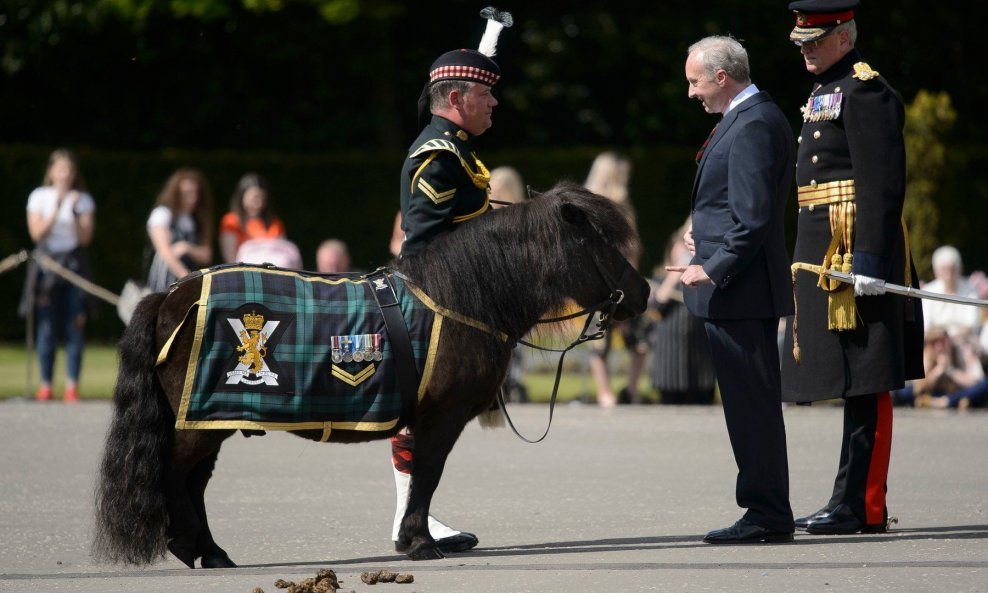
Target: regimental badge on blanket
column 254, row 332
column 822, row 107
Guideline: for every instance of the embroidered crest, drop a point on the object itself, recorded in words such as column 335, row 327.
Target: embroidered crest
column 862, row 71
column 822, row 107
column 252, row 337
column 253, row 332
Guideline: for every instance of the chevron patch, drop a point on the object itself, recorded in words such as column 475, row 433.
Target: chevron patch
column 354, row 380
column 432, row 194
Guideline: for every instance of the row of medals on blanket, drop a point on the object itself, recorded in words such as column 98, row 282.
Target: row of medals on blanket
column 357, row 348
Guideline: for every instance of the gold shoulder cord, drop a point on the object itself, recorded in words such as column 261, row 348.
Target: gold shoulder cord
column 480, row 178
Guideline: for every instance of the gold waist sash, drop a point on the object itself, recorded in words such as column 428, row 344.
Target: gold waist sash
column 831, row 192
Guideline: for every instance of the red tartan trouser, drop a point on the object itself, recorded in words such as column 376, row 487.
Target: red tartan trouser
column 402, row 445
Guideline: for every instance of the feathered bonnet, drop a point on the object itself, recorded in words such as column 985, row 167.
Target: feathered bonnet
column 469, row 64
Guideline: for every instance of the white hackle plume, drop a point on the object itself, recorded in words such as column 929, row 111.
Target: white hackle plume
column 496, row 20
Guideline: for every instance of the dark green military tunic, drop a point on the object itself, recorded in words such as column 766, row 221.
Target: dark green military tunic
column 851, row 148
column 443, row 184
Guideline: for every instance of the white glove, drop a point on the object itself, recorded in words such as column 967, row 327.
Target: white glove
column 868, row 286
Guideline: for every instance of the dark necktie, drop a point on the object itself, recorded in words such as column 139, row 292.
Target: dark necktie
column 699, row 153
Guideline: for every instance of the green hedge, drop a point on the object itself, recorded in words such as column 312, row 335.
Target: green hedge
column 354, row 196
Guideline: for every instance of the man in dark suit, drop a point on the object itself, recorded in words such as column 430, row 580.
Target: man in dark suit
column 738, row 281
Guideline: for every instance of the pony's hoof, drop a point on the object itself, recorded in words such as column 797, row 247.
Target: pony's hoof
column 217, row 559
column 186, row 554
column 461, row 542
column 426, row 552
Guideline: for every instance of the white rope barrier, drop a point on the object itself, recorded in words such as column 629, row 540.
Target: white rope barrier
column 12, row 261
column 45, row 261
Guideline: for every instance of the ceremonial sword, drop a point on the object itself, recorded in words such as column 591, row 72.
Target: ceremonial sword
column 908, row 291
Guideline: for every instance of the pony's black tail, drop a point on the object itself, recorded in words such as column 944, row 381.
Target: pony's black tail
column 131, row 513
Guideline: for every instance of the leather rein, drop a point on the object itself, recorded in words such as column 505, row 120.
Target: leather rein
column 598, row 321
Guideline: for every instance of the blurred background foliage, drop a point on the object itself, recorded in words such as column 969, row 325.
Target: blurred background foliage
column 319, row 96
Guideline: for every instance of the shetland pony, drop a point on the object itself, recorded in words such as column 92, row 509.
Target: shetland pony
column 506, row 270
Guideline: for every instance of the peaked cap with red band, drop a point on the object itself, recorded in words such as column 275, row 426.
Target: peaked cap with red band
column 816, row 18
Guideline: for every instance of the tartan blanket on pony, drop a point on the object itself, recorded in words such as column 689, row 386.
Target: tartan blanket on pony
column 283, row 350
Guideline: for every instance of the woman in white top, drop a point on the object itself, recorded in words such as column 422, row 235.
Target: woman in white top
column 609, row 176
column 60, row 220
column 180, row 228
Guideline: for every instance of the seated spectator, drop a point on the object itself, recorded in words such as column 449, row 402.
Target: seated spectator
column 955, row 318
column 250, row 217
column 332, row 257
column 954, row 375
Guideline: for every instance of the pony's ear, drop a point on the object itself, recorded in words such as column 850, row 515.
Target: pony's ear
column 573, row 214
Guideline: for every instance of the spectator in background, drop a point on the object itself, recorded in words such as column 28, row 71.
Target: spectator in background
column 682, row 366
column 250, row 217
column 506, row 186
column 397, row 236
column 60, row 220
column 957, row 319
column 278, row 252
column 180, row 228
column 954, row 375
column 332, row 257
column 609, row 176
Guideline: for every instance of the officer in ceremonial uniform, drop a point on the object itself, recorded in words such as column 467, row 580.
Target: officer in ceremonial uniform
column 444, row 184
column 852, row 342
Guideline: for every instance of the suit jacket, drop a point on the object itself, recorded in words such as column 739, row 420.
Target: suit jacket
column 739, row 197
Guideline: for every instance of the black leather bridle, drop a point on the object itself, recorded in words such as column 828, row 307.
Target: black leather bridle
column 599, row 317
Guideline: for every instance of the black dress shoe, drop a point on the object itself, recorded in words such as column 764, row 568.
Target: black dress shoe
column 746, row 532
column 842, row 521
column 802, row 522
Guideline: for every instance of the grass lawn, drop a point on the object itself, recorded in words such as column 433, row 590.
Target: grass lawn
column 99, row 371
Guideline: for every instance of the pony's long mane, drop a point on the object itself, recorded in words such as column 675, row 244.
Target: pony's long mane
column 509, row 267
